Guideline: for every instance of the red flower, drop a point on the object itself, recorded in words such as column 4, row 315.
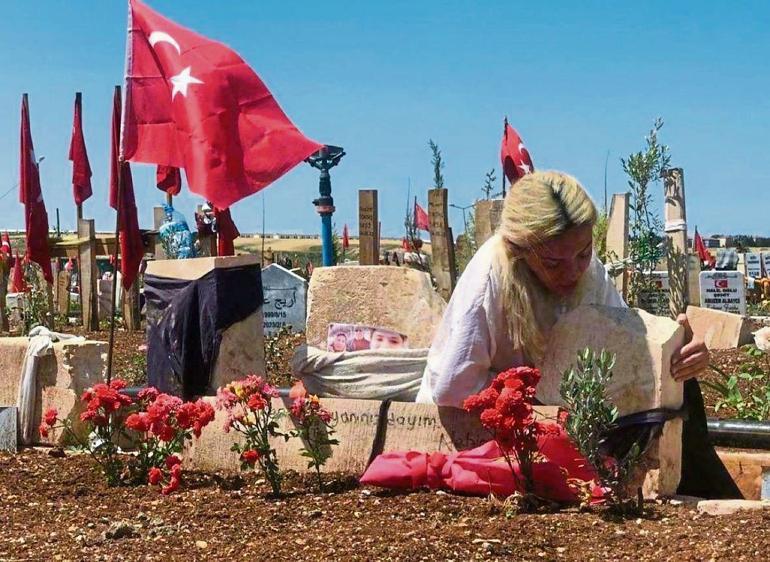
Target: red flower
column 256, row 402
column 43, row 429
column 49, row 418
column 186, row 415
column 149, row 394
column 298, row 408
column 491, row 418
column 298, row 390
column 250, row 456
column 176, row 472
column 155, row 476
column 118, row 384
column 484, row 399
column 173, row 485
column 138, row 422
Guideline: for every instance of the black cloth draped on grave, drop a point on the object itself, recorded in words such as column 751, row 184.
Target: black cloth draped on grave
column 185, row 322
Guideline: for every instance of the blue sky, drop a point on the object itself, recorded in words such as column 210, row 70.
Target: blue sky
column 380, row 78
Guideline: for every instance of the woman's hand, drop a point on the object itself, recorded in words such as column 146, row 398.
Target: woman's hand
column 692, row 359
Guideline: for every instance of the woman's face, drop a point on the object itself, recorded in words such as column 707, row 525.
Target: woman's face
column 560, row 262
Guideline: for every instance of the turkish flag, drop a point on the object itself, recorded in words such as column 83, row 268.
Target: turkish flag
column 720, row 283
column 345, row 238
column 700, row 248
column 421, row 220
column 81, row 169
column 30, row 194
column 514, row 156
column 227, row 232
column 168, row 179
column 5, row 247
column 19, row 284
column 122, row 200
column 193, row 103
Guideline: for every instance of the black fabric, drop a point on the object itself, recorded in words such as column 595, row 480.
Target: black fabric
column 185, row 322
column 703, row 473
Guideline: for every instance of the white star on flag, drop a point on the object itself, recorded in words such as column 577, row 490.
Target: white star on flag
column 181, row 81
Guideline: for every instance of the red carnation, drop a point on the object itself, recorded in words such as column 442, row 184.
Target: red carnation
column 50, row 416
column 172, row 486
column 250, row 456
column 149, row 394
column 256, row 402
column 172, row 461
column 186, row 415
column 155, row 476
column 118, row 384
column 43, row 429
column 138, row 422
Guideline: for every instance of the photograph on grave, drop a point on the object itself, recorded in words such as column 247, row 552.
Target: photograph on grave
column 355, row 337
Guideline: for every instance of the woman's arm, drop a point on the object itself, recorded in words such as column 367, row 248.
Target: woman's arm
column 693, row 358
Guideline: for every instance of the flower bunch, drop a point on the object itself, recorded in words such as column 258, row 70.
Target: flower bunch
column 164, row 423
column 312, row 426
column 250, row 412
column 506, row 409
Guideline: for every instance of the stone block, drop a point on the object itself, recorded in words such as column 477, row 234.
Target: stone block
column 61, row 379
column 728, row 507
column 748, row 469
column 487, row 214
column 397, row 298
column 643, row 345
column 194, row 268
column 8, row 429
column 719, row 329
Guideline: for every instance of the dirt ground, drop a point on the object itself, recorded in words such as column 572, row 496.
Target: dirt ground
column 59, row 509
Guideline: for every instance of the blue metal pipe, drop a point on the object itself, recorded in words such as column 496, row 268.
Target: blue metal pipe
column 326, row 240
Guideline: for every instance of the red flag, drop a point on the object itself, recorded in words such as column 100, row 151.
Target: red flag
column 168, row 179
column 5, row 247
column 700, row 248
column 420, row 217
column 81, row 169
column 131, row 246
column 405, row 244
column 195, row 104
column 227, row 232
column 19, row 284
column 514, row 156
column 30, row 194
column 345, row 238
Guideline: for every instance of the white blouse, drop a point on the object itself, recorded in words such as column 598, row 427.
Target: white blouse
column 472, row 343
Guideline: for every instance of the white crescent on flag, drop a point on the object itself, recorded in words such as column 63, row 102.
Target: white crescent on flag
column 163, row 37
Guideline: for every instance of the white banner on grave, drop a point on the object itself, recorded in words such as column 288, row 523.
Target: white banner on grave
column 285, row 299
column 723, row 290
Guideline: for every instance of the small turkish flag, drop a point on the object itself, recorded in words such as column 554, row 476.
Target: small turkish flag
column 131, row 246
column 5, row 247
column 227, row 232
column 514, row 156
column 169, row 180
column 193, row 103
column 81, row 169
column 345, row 238
column 421, row 220
column 19, row 284
column 700, row 248
column 30, row 194
column 720, row 283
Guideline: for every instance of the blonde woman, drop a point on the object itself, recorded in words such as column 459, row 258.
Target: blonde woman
column 537, row 266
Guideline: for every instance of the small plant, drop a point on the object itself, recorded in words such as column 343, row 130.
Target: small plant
column 489, row 183
column 590, row 417
column 158, row 426
column 747, row 391
column 37, row 307
column 312, row 422
column 250, row 412
column 438, row 164
column 506, row 410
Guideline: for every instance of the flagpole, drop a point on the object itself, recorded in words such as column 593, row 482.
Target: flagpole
column 115, row 255
column 505, row 132
column 79, row 206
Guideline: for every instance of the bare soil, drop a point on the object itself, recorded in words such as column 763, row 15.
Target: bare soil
column 60, row 509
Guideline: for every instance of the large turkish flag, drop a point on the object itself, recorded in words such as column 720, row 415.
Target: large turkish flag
column 193, row 103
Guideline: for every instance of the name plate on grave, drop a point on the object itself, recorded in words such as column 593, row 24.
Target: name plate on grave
column 723, row 290
column 753, row 263
column 285, row 295
column 655, row 299
column 765, row 263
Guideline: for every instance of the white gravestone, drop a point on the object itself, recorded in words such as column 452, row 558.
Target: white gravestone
column 285, row 299
column 753, row 265
column 723, row 290
column 655, row 300
column 765, row 263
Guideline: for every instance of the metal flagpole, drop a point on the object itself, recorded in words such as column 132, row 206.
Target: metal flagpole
column 115, row 254
column 505, row 135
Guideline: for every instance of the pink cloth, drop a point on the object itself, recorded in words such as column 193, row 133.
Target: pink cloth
column 483, row 470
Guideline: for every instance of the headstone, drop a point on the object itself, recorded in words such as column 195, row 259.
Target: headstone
column 8, row 429
column 766, row 263
column 158, row 218
column 617, row 238
column 285, row 299
column 718, row 329
column 655, row 300
column 368, row 225
column 753, row 262
column 442, row 243
column 723, row 290
column 396, row 298
column 88, row 274
column 487, row 216
column 104, row 287
column 63, row 293
column 643, row 345
column 676, row 232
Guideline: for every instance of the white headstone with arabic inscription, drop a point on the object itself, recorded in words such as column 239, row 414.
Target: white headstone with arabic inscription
column 285, row 299
column 753, row 265
column 723, row 290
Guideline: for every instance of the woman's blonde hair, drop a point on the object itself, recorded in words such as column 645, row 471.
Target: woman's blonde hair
column 538, row 207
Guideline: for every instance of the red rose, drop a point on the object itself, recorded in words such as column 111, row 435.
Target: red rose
column 172, row 486
column 256, row 402
column 43, row 429
column 155, row 476
column 186, row 415
column 250, row 456
column 176, row 471
column 172, row 461
column 49, row 418
column 150, row 393
column 138, row 422
column 118, row 384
